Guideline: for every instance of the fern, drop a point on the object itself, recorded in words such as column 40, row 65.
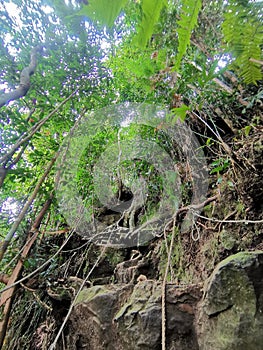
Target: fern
column 242, row 31
column 104, row 11
column 188, row 20
column 151, row 10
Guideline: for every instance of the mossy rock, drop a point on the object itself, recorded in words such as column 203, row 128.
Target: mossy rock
column 232, row 316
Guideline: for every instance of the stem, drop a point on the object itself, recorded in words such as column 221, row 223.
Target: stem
column 4, row 244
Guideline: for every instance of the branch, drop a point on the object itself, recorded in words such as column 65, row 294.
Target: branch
column 185, row 209
column 243, row 221
column 3, row 173
column 24, row 85
column 33, row 130
column 4, row 170
column 4, row 278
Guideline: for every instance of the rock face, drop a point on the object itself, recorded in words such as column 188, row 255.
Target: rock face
column 128, row 316
column 231, row 316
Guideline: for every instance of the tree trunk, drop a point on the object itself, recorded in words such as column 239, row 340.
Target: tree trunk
column 7, row 296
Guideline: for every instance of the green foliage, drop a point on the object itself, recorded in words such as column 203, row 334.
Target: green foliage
column 133, row 60
column 242, row 29
column 151, row 10
column 95, row 148
column 188, row 20
column 178, row 269
column 179, row 112
column 103, row 11
column 67, row 62
column 134, row 71
column 220, row 165
column 130, row 170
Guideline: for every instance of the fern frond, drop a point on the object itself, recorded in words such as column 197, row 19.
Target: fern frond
column 151, row 10
column 104, row 11
column 243, row 34
column 188, row 20
column 250, row 71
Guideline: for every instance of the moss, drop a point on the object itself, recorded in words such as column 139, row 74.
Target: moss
column 177, row 258
column 241, row 259
column 231, row 304
column 228, row 239
column 208, row 210
column 88, row 294
column 226, row 334
column 114, row 256
column 144, row 295
column 210, row 250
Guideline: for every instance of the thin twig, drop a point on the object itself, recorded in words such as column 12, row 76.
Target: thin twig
column 41, row 266
column 256, row 61
column 189, row 207
column 33, row 130
column 244, row 221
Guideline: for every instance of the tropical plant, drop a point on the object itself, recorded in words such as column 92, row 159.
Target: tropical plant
column 242, row 29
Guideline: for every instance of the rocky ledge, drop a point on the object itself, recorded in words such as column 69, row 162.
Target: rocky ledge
column 226, row 312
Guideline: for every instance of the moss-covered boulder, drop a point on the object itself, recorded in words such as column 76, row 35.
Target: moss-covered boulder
column 231, row 315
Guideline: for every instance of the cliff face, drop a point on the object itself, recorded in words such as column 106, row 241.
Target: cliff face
column 212, row 302
column 129, row 317
column 225, row 313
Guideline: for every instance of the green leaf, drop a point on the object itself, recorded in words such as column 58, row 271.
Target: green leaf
column 103, row 11
column 247, row 130
column 151, row 12
column 180, row 112
column 189, row 15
